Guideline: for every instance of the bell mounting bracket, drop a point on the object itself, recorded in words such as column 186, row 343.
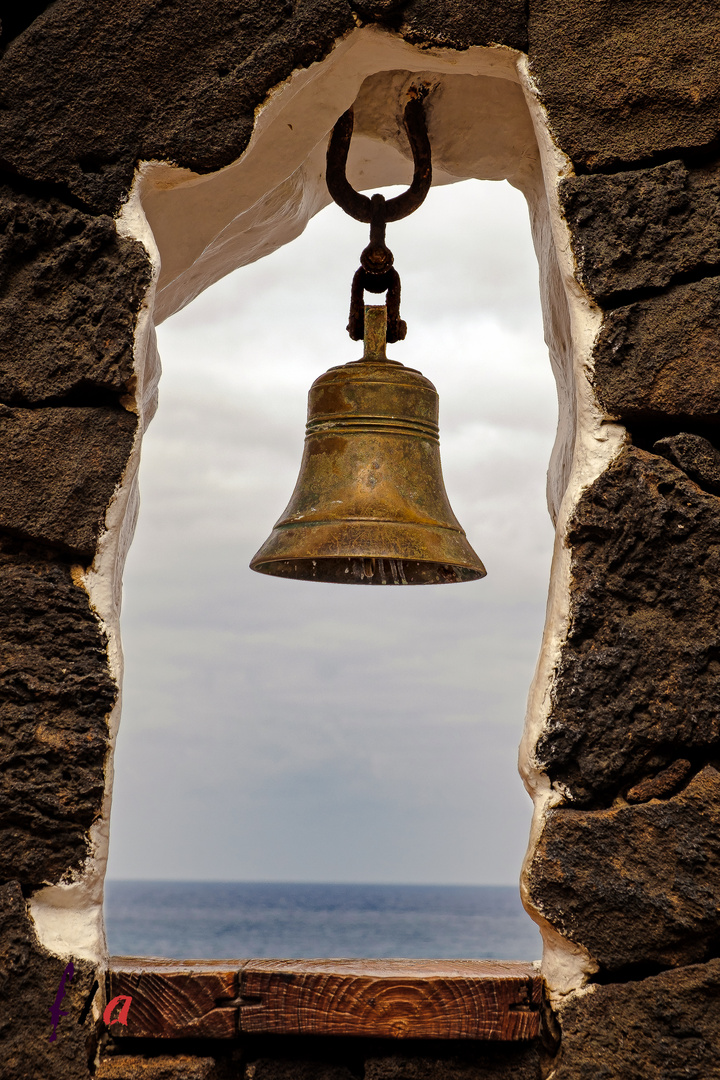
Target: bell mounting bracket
column 376, row 272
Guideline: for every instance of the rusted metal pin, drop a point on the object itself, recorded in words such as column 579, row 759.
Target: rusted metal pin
column 375, row 332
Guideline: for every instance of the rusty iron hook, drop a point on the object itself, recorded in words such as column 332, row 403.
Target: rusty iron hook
column 360, row 206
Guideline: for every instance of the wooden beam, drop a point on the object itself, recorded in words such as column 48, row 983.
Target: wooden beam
column 400, row 999
column 175, row 999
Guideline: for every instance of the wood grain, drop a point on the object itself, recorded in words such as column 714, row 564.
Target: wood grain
column 173, row 999
column 419, row 999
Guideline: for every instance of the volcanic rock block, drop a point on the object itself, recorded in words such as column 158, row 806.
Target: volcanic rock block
column 299, row 1068
column 76, row 107
column 58, row 471
column 489, row 1062
column 660, row 357
column 160, row 1067
column 695, row 456
column 662, row 784
column 79, row 106
column 624, row 81
column 665, row 1027
column 642, row 229
column 55, row 694
column 456, row 24
column 638, row 683
column 70, row 290
column 29, row 981
column 635, row 884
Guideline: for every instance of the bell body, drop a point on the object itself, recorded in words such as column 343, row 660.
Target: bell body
column 370, row 506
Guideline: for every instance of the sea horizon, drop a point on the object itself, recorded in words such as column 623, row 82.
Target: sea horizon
column 315, row 881
column 204, row 918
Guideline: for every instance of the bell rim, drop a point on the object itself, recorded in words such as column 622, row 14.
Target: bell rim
column 358, row 538
column 448, row 572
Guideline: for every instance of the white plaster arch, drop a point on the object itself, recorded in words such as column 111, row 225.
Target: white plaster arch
column 485, row 122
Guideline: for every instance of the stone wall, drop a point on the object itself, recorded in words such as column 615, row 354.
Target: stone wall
column 626, row 863
column 622, row 743
column 315, row 1058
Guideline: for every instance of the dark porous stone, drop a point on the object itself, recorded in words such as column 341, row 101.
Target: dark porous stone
column 662, row 784
column 58, row 471
column 29, row 982
column 695, row 456
column 77, row 107
column 387, row 11
column 90, row 89
column 666, row 1027
column 162, row 1067
column 489, row 1061
column 296, row 1068
column 660, row 357
column 641, row 229
column 638, row 683
column 635, row 884
column 70, row 290
column 458, row 24
column 623, row 81
column 55, row 694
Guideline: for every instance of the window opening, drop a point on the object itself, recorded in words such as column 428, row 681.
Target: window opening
column 281, row 731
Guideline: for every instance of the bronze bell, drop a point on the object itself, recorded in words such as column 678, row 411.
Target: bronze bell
column 369, row 506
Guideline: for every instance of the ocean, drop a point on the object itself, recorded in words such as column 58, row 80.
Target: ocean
column 237, row 920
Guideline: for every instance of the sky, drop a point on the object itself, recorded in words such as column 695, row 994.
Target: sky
column 275, row 730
